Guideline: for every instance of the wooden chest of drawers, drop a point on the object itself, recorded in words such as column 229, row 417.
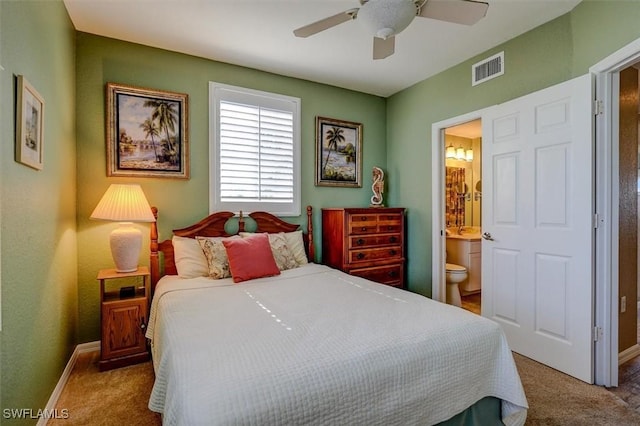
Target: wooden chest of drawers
column 367, row 242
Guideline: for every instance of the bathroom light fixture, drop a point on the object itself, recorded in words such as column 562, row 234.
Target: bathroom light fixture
column 469, row 155
column 460, row 155
column 450, row 152
column 124, row 204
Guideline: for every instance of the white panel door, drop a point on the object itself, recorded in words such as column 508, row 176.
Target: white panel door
column 537, row 271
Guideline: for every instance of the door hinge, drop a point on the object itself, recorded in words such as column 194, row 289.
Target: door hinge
column 597, row 333
column 596, row 220
column 598, row 107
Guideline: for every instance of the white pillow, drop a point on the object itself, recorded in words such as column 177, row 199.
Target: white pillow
column 189, row 258
column 296, row 245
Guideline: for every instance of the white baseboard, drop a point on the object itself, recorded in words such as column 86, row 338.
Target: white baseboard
column 628, row 354
column 57, row 391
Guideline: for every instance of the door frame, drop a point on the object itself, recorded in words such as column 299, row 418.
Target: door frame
column 438, row 243
column 607, row 89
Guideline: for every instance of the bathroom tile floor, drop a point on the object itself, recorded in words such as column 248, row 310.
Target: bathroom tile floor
column 472, row 303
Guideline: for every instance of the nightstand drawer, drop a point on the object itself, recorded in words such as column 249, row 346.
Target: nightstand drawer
column 367, row 255
column 389, row 274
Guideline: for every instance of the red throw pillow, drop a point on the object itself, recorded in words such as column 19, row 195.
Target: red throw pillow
column 250, row 258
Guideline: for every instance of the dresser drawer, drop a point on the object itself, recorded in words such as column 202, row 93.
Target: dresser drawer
column 367, row 241
column 389, row 274
column 368, row 255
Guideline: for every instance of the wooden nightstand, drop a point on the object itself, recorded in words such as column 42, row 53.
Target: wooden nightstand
column 124, row 317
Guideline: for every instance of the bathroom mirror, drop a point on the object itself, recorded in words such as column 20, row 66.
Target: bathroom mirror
column 463, row 184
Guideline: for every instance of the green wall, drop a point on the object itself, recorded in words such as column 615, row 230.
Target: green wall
column 50, row 251
column 557, row 51
column 182, row 202
column 38, row 234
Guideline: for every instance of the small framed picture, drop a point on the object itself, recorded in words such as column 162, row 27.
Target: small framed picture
column 338, row 153
column 29, row 125
column 147, row 132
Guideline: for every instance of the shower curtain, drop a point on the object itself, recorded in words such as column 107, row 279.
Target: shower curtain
column 454, row 196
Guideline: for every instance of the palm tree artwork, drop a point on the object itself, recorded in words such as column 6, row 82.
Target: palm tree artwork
column 334, row 135
column 166, row 116
column 151, row 131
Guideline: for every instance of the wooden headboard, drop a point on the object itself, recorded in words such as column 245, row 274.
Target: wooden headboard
column 214, row 226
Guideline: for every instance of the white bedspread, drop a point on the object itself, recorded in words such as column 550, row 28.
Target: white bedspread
column 317, row 346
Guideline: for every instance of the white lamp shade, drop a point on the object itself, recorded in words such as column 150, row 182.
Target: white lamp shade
column 469, row 155
column 126, row 204
column 450, row 152
column 123, row 203
column 460, row 154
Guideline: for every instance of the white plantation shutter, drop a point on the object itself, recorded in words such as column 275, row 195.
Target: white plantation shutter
column 255, row 151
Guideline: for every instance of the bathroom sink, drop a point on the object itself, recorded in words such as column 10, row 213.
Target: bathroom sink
column 470, row 233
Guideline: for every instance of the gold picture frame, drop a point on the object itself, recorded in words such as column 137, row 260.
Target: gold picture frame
column 338, row 153
column 147, row 132
column 29, row 125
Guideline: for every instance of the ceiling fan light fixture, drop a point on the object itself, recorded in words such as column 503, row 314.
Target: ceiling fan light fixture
column 385, row 18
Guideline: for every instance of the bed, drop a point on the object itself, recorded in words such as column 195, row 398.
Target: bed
column 313, row 345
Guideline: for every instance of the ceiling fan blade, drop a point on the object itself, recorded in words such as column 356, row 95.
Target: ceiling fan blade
column 326, row 23
column 466, row 12
column 383, row 47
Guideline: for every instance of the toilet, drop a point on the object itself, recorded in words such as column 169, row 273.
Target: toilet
column 455, row 274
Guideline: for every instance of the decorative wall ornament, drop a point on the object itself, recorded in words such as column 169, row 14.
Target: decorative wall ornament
column 29, row 125
column 147, row 132
column 377, row 187
column 338, row 153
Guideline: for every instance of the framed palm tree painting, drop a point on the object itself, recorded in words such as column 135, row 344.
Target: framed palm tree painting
column 338, row 153
column 147, row 132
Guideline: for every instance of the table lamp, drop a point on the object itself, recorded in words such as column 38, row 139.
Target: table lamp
column 125, row 204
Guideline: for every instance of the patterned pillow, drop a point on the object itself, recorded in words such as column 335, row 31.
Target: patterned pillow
column 283, row 256
column 216, row 255
column 296, row 245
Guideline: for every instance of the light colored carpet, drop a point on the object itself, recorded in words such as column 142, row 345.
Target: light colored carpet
column 120, row 397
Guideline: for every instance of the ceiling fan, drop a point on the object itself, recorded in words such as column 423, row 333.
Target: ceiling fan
column 386, row 18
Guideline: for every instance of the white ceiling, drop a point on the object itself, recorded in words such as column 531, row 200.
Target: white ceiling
column 259, row 34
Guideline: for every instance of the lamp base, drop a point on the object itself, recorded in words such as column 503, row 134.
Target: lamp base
column 126, row 243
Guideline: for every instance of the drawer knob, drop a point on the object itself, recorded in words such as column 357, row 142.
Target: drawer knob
column 393, row 273
column 360, row 255
column 364, row 228
column 360, row 241
column 392, row 252
column 389, row 228
column 393, row 239
column 363, row 218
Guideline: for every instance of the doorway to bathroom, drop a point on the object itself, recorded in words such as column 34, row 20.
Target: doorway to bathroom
column 463, row 214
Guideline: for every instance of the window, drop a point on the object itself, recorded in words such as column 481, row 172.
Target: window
column 254, row 151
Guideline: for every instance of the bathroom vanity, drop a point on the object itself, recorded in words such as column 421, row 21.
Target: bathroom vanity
column 465, row 250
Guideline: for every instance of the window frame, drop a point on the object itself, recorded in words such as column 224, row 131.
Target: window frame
column 226, row 92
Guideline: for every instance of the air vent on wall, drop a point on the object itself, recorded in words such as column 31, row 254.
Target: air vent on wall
column 487, row 69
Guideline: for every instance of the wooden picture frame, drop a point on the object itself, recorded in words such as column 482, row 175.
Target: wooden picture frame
column 29, row 125
column 147, row 132
column 338, row 153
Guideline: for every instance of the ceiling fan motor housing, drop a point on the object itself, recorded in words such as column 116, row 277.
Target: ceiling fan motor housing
column 386, row 18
